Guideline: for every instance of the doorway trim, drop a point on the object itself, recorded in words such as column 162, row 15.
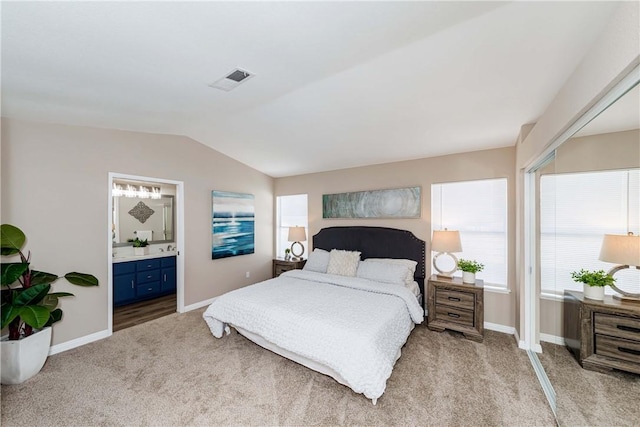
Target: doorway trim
column 179, row 222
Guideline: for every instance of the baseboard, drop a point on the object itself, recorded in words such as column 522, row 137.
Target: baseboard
column 554, row 339
column 59, row 348
column 500, row 328
column 198, row 305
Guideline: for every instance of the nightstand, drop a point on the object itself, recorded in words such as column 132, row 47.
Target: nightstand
column 602, row 335
column 280, row 266
column 456, row 306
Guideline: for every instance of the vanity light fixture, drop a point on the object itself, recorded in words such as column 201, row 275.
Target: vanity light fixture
column 446, row 242
column 625, row 251
column 142, row 192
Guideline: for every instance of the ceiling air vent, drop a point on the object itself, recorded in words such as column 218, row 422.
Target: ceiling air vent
column 232, row 80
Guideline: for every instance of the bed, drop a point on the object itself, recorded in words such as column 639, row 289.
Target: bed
column 350, row 326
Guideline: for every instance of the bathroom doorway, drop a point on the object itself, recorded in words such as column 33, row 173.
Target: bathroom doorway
column 145, row 253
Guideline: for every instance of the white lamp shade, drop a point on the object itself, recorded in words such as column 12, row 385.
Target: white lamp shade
column 621, row 249
column 446, row 241
column 297, row 234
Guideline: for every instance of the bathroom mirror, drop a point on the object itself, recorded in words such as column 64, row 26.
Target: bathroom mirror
column 142, row 211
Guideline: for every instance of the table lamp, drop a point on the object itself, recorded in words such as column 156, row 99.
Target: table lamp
column 297, row 235
column 623, row 250
column 446, row 242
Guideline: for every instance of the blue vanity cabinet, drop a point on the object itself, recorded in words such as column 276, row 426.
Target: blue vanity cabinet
column 168, row 274
column 135, row 281
column 124, row 282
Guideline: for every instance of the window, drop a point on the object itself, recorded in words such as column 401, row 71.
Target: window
column 291, row 212
column 478, row 209
column 576, row 210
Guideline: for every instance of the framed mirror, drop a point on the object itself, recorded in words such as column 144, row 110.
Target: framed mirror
column 143, row 211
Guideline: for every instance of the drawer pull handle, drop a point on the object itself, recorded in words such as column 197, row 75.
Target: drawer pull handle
column 453, row 315
column 454, row 299
column 150, row 289
column 628, row 328
column 132, row 284
column 629, row 350
column 165, row 277
column 148, row 277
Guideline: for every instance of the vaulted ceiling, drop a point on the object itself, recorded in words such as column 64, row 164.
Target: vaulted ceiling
column 336, row 85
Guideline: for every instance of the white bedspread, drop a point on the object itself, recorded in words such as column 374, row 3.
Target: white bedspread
column 356, row 327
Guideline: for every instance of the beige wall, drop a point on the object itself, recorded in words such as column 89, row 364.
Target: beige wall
column 498, row 163
column 613, row 55
column 611, row 151
column 55, row 188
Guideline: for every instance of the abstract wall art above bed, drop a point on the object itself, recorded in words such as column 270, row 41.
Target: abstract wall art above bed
column 394, row 203
column 232, row 224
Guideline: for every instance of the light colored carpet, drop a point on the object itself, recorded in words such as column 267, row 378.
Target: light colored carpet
column 588, row 398
column 172, row 372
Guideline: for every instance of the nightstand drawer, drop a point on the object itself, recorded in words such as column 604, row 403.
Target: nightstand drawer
column 618, row 348
column 617, row 326
column 455, row 315
column 458, row 299
column 279, row 269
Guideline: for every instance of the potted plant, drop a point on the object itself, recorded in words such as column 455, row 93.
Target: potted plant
column 287, row 254
column 593, row 282
column 29, row 308
column 469, row 269
column 140, row 246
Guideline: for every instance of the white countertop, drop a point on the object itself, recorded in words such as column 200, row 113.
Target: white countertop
column 131, row 257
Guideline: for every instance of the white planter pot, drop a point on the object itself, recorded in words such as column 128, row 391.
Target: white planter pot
column 593, row 292
column 141, row 251
column 468, row 277
column 24, row 358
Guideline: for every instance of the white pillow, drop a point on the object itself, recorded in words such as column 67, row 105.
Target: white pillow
column 383, row 272
column 343, row 263
column 318, row 261
column 410, row 265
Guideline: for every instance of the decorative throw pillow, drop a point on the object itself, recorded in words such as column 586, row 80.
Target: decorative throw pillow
column 382, row 272
column 318, row 261
column 343, row 263
column 410, row 265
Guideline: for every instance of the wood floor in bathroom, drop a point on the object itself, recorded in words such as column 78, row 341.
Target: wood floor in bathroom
column 130, row 315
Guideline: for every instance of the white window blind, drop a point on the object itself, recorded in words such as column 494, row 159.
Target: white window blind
column 291, row 212
column 576, row 210
column 478, row 209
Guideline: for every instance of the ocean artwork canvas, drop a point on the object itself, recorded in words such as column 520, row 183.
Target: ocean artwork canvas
column 394, row 203
column 233, row 224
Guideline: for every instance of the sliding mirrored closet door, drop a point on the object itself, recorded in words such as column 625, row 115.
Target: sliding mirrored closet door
column 586, row 187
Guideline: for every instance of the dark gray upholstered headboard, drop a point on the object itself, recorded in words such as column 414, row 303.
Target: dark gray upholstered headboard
column 375, row 242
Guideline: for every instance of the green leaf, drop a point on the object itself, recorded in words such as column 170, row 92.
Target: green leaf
column 35, row 315
column 40, row 277
column 81, row 279
column 54, row 316
column 12, row 272
column 51, row 300
column 9, row 312
column 31, row 296
column 11, row 239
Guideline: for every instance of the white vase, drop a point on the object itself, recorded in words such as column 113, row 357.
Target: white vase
column 468, row 277
column 141, row 251
column 593, row 292
column 23, row 358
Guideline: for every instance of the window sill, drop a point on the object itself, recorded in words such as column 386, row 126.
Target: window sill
column 496, row 289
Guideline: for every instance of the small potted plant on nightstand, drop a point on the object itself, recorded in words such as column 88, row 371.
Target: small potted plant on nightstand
column 593, row 282
column 140, row 246
column 287, row 254
column 469, row 269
